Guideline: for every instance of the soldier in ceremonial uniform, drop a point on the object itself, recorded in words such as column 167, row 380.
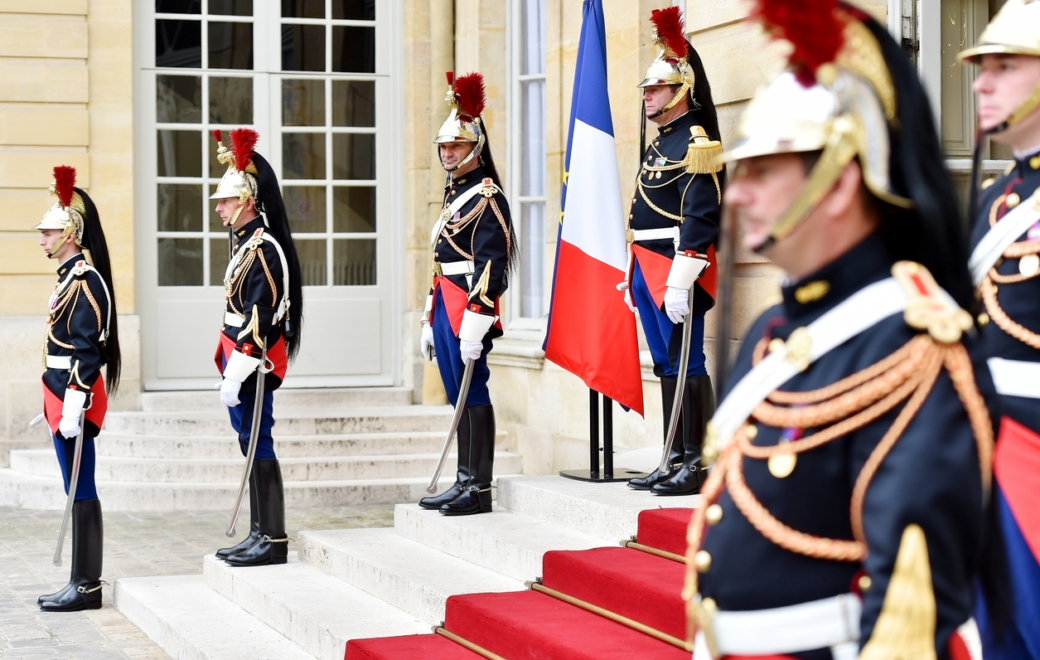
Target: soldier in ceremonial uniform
column 260, row 331
column 473, row 253
column 82, row 337
column 672, row 227
column 1005, row 263
column 844, row 511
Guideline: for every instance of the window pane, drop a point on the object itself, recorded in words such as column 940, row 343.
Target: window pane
column 231, row 7
column 532, row 44
column 354, row 209
column 216, row 170
column 180, row 262
column 532, row 171
column 303, row 8
column 180, row 207
column 180, row 153
column 357, row 10
column 305, row 208
column 353, row 49
column 178, row 43
column 178, row 99
column 219, row 258
column 312, row 262
column 215, row 223
column 532, row 254
column 353, row 103
column 303, row 155
column 230, row 45
column 231, row 101
column 353, row 156
column 303, row 103
column 354, row 262
column 178, row 6
column 303, row 48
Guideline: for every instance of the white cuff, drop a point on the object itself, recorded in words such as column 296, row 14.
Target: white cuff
column 74, row 402
column 685, row 271
column 239, row 366
column 427, row 309
column 475, row 326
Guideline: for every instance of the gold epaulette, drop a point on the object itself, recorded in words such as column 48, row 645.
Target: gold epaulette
column 702, row 155
column 929, row 307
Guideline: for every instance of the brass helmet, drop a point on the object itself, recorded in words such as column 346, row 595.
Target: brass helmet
column 240, row 178
column 467, row 98
column 672, row 65
column 836, row 96
column 67, row 214
column 1015, row 30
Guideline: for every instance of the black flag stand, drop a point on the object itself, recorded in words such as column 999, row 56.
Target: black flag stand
column 594, row 474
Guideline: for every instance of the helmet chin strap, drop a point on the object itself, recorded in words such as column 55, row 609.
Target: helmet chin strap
column 474, row 152
column 1028, row 106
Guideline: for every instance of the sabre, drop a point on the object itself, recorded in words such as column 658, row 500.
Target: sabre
column 254, row 432
column 680, row 386
column 460, row 405
column 77, row 455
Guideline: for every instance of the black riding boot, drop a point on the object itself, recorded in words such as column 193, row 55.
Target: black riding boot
column 675, row 453
column 273, row 545
column 84, row 590
column 462, row 476
column 476, row 494
column 254, row 523
column 698, row 407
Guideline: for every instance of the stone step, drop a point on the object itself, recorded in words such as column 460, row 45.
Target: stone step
column 607, row 511
column 310, row 608
column 225, row 446
column 375, row 419
column 17, row 489
column 408, row 575
column 41, row 462
column 505, row 542
column 190, row 621
column 287, row 398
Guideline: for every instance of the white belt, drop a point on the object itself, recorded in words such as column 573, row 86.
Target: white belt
column 671, row 233
column 456, row 267
column 234, row 320
column 59, row 361
column 828, row 623
column 1015, row 377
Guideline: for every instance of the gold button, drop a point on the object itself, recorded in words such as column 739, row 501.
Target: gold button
column 864, row 583
column 751, row 431
column 1012, row 200
column 1000, row 260
column 713, row 514
column 989, row 182
column 995, row 289
column 983, row 318
column 776, row 344
column 702, row 561
column 452, row 192
column 1034, row 162
column 1029, row 265
column 709, row 605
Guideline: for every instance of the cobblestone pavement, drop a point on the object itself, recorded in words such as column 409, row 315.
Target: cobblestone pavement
column 136, row 544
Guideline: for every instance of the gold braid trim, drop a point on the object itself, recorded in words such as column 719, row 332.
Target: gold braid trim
column 502, row 222
column 655, row 208
column 93, row 303
column 958, row 364
column 234, row 284
column 50, row 335
column 1003, row 321
column 270, row 279
column 74, row 298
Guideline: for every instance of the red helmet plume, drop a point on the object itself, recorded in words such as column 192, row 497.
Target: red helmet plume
column 469, row 91
column 216, row 135
column 671, row 31
column 811, row 26
column 243, row 140
column 64, row 182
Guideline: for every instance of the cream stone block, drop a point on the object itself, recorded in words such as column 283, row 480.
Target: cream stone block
column 22, row 255
column 50, row 80
column 128, row 397
column 22, row 294
column 738, row 60
column 702, row 16
column 73, row 7
column 26, row 35
column 33, row 167
column 44, row 125
column 21, row 209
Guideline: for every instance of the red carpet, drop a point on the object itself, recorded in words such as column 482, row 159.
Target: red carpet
column 530, row 625
column 664, row 529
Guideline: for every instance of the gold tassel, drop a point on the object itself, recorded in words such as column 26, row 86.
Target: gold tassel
column 702, row 155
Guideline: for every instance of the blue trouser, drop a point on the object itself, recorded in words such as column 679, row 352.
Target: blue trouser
column 86, row 489
column 449, row 360
column 663, row 337
column 242, row 422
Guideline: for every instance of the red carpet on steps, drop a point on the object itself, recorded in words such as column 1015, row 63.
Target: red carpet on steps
column 664, row 529
column 528, row 625
column 628, row 582
column 421, row 647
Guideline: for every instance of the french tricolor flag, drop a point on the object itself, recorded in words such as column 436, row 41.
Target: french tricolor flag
column 591, row 332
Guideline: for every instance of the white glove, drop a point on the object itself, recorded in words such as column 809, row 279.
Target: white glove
column 426, row 341
column 623, row 286
column 229, row 392
column 470, row 350
column 69, row 427
column 676, row 304
column 71, row 410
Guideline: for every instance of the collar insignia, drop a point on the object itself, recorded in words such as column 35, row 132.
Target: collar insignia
column 812, row 291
